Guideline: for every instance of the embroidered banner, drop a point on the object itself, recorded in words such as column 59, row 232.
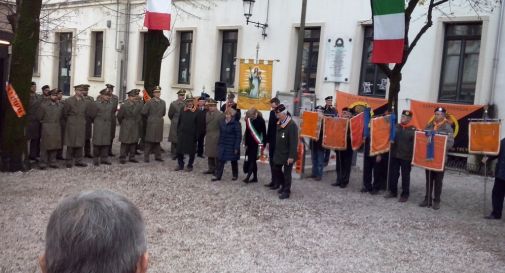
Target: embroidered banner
column 310, row 125
column 335, row 133
column 255, row 84
column 484, row 137
column 457, row 115
column 356, row 127
column 380, row 129
column 420, row 157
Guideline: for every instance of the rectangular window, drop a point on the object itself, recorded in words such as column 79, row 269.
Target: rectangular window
column 98, row 54
column 229, row 53
column 64, row 40
column 372, row 81
column 309, row 59
column 185, row 43
column 143, row 56
column 460, row 62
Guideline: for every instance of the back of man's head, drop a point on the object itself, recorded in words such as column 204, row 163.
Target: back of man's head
column 98, row 231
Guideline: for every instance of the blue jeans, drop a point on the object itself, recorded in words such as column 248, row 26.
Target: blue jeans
column 317, row 161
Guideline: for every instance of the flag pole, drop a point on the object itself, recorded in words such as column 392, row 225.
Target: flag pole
column 389, row 154
column 485, row 169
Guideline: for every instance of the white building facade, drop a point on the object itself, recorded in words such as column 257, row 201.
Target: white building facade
column 458, row 60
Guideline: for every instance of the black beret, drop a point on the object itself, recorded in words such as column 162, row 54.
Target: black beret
column 329, row 98
column 407, row 113
column 440, row 109
column 280, row 108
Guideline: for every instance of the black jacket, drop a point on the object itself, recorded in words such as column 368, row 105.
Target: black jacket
column 403, row 146
column 272, row 129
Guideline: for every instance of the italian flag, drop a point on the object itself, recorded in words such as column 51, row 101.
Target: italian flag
column 158, row 14
column 389, row 30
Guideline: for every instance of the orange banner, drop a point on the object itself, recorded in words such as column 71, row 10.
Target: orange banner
column 484, row 137
column 424, row 112
column 345, row 99
column 310, row 125
column 146, row 96
column 356, row 126
column 379, row 135
column 17, row 105
column 420, row 151
column 335, row 133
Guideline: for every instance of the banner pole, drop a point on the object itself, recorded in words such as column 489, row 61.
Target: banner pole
column 485, row 185
column 389, row 166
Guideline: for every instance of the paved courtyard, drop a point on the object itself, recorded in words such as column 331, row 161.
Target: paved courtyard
column 194, row 225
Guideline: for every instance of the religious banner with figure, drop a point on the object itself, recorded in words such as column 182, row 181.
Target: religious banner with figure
column 484, row 137
column 380, row 128
column 430, row 151
column 255, row 84
column 310, row 125
column 335, row 133
column 458, row 116
column 357, row 127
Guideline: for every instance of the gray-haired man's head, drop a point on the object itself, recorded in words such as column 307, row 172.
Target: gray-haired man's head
column 98, row 231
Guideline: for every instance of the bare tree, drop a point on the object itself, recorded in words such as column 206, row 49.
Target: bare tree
column 394, row 74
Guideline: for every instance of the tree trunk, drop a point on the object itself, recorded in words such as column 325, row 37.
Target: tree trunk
column 156, row 44
column 24, row 46
column 394, row 89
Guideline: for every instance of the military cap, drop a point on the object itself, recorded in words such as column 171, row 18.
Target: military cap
column 189, row 99
column 33, row 83
column 45, row 87
column 350, row 110
column 440, row 109
column 281, row 109
column 80, row 86
column 54, row 92
column 202, row 98
column 157, row 89
column 59, row 90
column 211, row 102
column 181, row 92
column 109, row 85
column 407, row 113
column 231, row 95
column 329, row 98
column 133, row 92
column 104, row 91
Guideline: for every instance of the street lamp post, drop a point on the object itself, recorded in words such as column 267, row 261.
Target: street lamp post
column 248, row 9
column 299, row 55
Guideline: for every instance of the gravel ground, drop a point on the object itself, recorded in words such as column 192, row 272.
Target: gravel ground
column 194, row 225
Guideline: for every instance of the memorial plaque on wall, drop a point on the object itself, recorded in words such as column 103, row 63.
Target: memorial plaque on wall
column 337, row 60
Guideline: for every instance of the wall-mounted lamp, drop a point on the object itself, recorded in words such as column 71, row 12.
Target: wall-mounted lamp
column 248, row 9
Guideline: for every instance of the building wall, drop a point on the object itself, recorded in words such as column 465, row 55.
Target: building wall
column 344, row 19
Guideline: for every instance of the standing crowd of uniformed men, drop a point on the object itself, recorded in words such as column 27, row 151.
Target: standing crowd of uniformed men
column 199, row 128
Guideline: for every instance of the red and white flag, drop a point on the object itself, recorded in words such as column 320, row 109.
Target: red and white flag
column 158, row 14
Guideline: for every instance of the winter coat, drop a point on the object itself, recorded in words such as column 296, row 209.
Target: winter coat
column 154, row 110
column 230, row 135
column 186, row 132
column 500, row 165
column 200, row 122
column 403, row 146
column 74, row 114
column 259, row 126
column 33, row 124
column 100, row 113
column 272, row 129
column 128, row 118
column 115, row 102
column 173, row 114
column 444, row 129
column 90, row 101
column 141, row 120
column 286, row 143
column 212, row 120
column 50, row 115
